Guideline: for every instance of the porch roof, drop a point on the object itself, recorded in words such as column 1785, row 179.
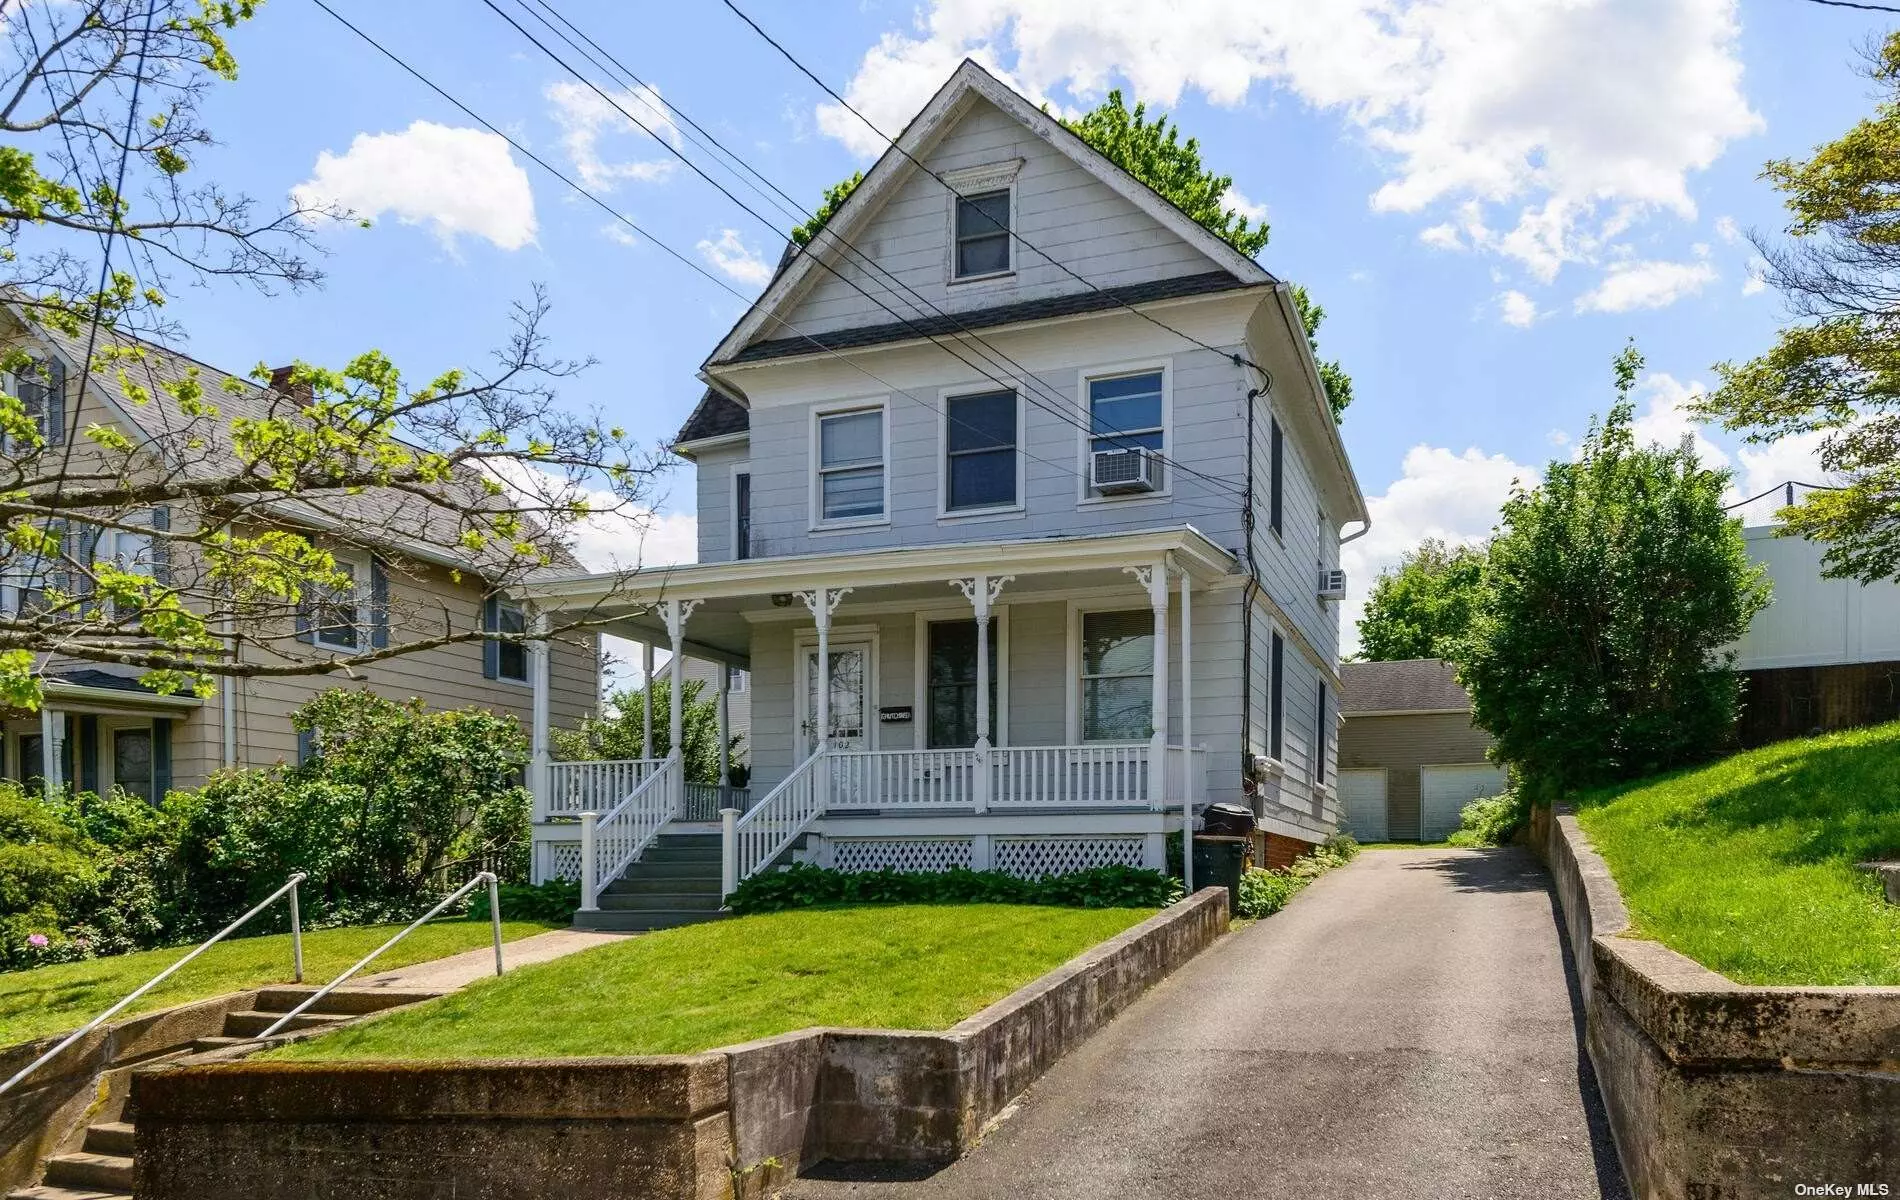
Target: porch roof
column 719, row 632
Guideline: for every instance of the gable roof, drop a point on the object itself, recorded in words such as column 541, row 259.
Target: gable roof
column 1409, row 685
column 968, row 83
column 197, row 447
column 716, row 415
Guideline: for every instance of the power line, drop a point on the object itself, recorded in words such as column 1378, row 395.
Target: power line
column 1014, row 235
column 1852, row 4
column 1031, row 382
column 623, row 219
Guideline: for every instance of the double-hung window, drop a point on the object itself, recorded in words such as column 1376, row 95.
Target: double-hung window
column 1118, row 668
column 41, row 387
column 1125, row 413
column 980, row 461
column 951, row 684
column 982, row 234
column 851, row 482
column 336, row 620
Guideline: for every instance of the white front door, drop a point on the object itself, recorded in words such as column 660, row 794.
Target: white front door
column 851, row 696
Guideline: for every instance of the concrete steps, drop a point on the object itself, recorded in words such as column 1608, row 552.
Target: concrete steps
column 103, row 1166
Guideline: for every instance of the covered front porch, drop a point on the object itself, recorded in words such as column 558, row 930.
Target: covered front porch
column 1026, row 706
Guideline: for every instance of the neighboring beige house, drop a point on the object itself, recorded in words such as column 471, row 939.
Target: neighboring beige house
column 1409, row 756
column 108, row 730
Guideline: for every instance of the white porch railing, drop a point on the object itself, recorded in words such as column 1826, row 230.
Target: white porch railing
column 1095, row 775
column 752, row 841
column 705, row 800
column 610, row 843
column 578, row 787
column 907, row 779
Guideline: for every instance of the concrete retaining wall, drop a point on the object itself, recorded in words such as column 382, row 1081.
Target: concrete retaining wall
column 741, row 1120
column 1717, row 1091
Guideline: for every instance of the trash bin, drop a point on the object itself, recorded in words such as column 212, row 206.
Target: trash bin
column 1226, row 820
column 1217, row 863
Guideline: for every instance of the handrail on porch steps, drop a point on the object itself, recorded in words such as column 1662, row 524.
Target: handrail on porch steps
column 296, row 961
column 494, row 917
column 611, row 843
column 750, row 842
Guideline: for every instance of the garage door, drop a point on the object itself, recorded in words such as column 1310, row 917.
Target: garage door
column 1443, row 791
column 1362, row 793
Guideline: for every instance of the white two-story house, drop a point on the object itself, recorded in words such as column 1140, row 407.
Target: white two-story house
column 1020, row 501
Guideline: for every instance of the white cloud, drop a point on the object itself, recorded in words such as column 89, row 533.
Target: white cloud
column 1793, row 459
column 1517, row 309
column 1667, row 420
column 1439, row 494
column 1572, row 117
column 586, row 118
column 733, row 257
column 1727, row 230
column 1754, row 285
column 1645, row 284
column 1234, row 199
column 456, row 181
column 1557, row 437
column 1442, row 237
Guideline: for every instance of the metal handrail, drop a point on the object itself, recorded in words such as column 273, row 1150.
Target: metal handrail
column 296, row 954
column 494, row 916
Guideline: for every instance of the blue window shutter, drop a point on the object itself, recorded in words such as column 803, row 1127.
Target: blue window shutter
column 378, row 605
column 1276, row 700
column 89, row 754
column 1277, row 455
column 161, row 757
column 491, row 649
column 306, row 745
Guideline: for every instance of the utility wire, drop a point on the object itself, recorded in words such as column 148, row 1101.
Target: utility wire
column 1062, row 411
column 1852, row 4
column 637, row 228
column 1017, row 237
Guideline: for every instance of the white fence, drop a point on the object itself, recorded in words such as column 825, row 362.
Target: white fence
column 578, row 787
column 752, row 841
column 1098, row 775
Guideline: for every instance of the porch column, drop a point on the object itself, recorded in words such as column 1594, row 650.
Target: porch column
column 646, row 699
column 821, row 603
column 539, row 758
column 725, row 727
column 675, row 613
column 1187, row 735
column 1157, row 581
column 52, row 748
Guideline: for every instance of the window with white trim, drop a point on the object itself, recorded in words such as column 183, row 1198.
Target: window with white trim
column 338, row 618
column 982, row 234
column 980, row 459
column 41, row 388
column 1118, row 670
column 851, row 465
column 738, row 681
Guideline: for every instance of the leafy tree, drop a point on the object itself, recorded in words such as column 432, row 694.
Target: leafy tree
column 1834, row 371
column 619, row 732
column 1153, row 152
column 98, row 184
column 1422, row 608
column 1609, row 591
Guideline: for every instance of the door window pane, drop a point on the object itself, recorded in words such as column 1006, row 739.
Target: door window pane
column 983, row 234
column 851, row 465
column 1117, row 676
column 951, row 686
column 847, row 697
column 980, row 441
column 132, row 761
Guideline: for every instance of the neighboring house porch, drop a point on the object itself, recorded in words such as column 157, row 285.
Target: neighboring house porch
column 1028, row 706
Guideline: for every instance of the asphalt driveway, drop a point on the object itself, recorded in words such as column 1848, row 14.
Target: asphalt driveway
column 1405, row 1028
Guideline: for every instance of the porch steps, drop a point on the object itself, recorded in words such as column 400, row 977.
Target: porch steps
column 102, row 1167
column 676, row 882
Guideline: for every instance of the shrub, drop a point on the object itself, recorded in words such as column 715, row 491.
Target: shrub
column 1265, row 892
column 1492, row 820
column 804, row 885
column 553, row 901
column 48, row 878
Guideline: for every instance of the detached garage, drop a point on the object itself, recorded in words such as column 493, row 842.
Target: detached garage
column 1409, row 757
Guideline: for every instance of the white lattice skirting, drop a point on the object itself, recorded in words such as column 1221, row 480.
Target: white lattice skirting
column 560, row 860
column 901, row 854
column 1032, row 857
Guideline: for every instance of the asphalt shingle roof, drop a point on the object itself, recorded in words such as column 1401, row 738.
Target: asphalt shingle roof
column 714, row 416
column 1410, row 685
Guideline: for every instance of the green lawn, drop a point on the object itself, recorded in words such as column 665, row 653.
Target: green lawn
column 54, row 999
column 1747, row 866
column 683, row 990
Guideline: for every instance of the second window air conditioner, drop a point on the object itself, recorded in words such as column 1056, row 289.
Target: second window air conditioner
column 1120, row 472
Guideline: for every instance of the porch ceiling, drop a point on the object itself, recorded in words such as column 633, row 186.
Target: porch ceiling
column 727, row 591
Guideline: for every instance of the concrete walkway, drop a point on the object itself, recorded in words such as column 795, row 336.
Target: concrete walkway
column 1403, row 1029
column 460, row 970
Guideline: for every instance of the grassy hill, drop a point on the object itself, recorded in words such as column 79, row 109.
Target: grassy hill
column 1747, row 865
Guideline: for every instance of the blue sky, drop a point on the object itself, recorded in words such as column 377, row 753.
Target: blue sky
column 1488, row 199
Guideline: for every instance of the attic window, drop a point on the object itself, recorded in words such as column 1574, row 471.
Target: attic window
column 982, row 234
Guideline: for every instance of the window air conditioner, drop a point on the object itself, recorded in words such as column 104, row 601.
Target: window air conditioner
column 1332, row 584
column 1119, row 472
